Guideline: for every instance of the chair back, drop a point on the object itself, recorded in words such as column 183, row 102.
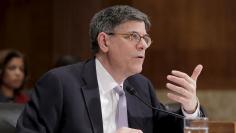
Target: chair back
column 9, row 113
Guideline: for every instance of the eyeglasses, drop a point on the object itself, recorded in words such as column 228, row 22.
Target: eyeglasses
column 135, row 36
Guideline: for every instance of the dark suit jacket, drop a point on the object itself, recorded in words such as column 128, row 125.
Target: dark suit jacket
column 66, row 100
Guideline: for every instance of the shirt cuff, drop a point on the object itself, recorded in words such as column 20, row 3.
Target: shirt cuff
column 193, row 115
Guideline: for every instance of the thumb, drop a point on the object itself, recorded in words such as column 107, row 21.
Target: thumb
column 196, row 72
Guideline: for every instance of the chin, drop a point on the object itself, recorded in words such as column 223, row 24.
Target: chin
column 16, row 86
column 136, row 70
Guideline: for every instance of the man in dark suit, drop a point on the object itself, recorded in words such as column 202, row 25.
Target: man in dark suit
column 90, row 97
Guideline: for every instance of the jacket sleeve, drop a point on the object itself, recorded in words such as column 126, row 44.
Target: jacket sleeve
column 42, row 113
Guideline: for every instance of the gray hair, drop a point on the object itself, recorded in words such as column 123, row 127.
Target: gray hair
column 107, row 19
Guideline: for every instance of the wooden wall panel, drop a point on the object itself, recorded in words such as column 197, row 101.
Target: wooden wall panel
column 26, row 26
column 185, row 33
column 188, row 32
column 45, row 30
column 71, row 27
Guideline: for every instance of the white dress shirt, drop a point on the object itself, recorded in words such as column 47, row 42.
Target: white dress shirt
column 109, row 99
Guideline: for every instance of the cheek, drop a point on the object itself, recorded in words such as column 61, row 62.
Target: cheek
column 119, row 52
column 126, row 53
column 11, row 80
column 8, row 80
column 8, row 76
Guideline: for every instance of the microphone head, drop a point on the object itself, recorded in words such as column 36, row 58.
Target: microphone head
column 131, row 90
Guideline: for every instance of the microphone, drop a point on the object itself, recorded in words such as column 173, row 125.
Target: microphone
column 132, row 91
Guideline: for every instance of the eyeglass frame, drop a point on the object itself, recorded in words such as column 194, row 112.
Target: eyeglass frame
column 129, row 35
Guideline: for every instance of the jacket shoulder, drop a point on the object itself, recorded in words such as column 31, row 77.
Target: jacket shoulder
column 65, row 71
column 138, row 79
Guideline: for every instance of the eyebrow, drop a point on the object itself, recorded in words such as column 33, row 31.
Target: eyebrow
column 137, row 33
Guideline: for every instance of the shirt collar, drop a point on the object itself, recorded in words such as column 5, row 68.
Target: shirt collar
column 105, row 81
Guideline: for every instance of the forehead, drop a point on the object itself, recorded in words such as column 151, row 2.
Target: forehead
column 16, row 61
column 130, row 26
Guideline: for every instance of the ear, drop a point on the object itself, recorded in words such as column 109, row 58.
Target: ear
column 103, row 41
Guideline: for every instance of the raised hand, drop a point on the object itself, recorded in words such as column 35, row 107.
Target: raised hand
column 184, row 88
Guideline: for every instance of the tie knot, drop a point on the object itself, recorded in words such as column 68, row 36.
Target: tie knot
column 119, row 90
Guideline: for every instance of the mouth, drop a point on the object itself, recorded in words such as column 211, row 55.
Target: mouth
column 140, row 56
column 18, row 80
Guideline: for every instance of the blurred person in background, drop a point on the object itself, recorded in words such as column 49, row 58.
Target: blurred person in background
column 13, row 73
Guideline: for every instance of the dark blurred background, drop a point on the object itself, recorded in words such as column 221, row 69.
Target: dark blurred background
column 185, row 33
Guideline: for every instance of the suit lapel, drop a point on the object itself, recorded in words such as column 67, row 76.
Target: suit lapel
column 91, row 96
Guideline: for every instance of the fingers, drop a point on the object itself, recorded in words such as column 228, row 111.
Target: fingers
column 177, row 98
column 190, row 85
column 182, row 75
column 184, row 88
column 183, row 96
column 196, row 72
column 128, row 130
column 180, row 90
column 185, row 81
column 136, row 131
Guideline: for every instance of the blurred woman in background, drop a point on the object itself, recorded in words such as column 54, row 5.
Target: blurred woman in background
column 13, row 73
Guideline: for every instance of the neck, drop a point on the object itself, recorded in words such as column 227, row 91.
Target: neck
column 115, row 73
column 7, row 91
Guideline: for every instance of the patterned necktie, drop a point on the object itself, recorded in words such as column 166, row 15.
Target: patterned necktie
column 121, row 111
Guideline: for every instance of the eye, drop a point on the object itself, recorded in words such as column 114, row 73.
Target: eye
column 11, row 68
column 147, row 39
column 128, row 36
column 135, row 36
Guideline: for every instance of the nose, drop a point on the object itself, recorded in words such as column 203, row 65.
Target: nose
column 142, row 45
column 18, row 72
